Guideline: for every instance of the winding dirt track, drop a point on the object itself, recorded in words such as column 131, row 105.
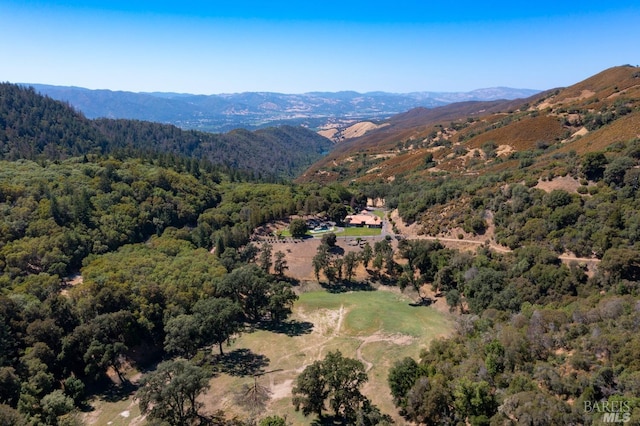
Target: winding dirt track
column 409, row 231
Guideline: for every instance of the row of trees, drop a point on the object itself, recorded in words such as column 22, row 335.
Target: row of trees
column 337, row 266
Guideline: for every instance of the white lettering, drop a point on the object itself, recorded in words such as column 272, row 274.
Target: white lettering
column 616, row 417
column 609, row 417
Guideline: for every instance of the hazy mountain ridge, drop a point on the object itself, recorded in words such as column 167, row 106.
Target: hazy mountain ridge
column 258, row 109
column 33, row 126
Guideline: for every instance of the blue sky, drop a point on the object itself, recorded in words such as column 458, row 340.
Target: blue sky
column 302, row 46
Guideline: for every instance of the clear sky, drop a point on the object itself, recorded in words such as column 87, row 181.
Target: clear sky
column 229, row 46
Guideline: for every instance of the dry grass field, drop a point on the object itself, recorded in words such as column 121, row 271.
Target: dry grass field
column 377, row 327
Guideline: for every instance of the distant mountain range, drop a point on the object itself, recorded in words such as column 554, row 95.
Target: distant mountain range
column 253, row 110
column 36, row 127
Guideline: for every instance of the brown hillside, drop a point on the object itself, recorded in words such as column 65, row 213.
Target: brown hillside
column 524, row 134
column 413, row 125
column 601, row 85
column 464, row 137
column 459, row 111
column 621, row 130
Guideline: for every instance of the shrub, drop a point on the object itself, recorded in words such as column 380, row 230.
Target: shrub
column 526, row 162
column 593, row 165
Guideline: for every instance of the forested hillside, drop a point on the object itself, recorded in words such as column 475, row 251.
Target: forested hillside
column 35, row 127
column 128, row 204
column 546, row 301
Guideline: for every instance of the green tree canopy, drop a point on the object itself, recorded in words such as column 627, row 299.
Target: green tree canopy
column 170, row 393
column 337, row 380
column 248, row 286
column 298, row 228
column 593, row 165
column 402, row 376
column 182, row 335
column 218, row 319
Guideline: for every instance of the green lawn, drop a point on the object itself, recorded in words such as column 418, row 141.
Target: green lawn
column 379, row 213
column 378, row 311
column 346, row 232
column 359, row 232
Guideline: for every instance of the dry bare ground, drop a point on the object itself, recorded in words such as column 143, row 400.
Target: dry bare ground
column 353, row 131
column 566, row 183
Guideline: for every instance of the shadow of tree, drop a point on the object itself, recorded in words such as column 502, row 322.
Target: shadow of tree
column 291, row 327
column 327, row 420
column 240, row 362
column 290, row 280
column 424, row 301
column 111, row 392
column 337, row 250
column 345, row 286
column 388, row 281
column 382, row 278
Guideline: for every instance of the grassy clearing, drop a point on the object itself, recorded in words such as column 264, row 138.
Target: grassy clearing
column 377, row 327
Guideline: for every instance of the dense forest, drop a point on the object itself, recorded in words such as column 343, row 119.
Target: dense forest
column 140, row 222
column 538, row 341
